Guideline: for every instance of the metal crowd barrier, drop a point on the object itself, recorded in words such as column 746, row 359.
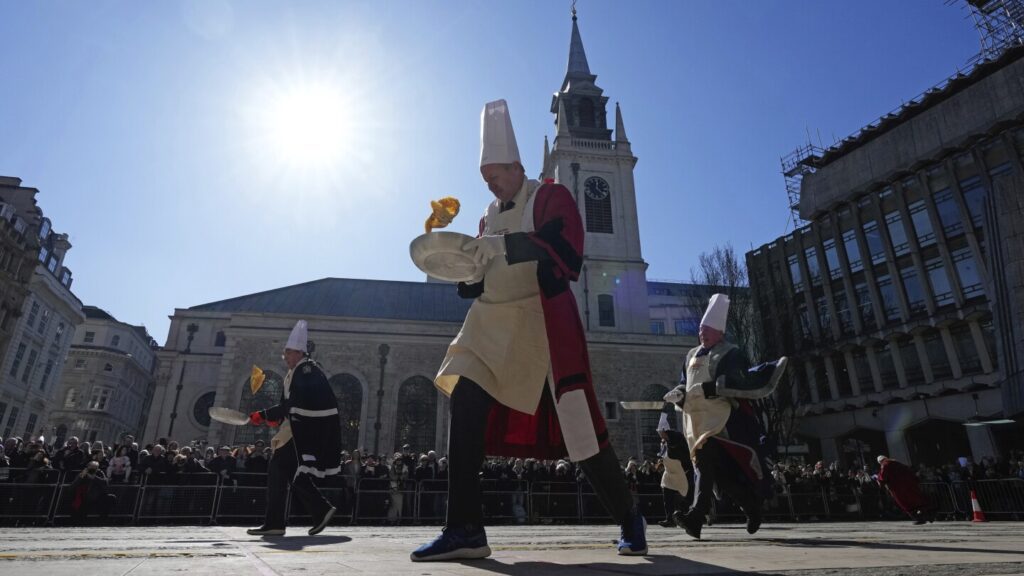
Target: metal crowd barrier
column 45, row 497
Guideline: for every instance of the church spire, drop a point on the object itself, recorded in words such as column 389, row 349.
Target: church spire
column 578, row 66
column 620, row 127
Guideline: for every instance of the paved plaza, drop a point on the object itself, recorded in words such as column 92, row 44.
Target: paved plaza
column 959, row 548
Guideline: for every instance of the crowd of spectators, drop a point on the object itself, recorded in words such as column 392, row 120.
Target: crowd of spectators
column 125, row 462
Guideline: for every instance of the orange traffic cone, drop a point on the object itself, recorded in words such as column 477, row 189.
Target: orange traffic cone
column 979, row 515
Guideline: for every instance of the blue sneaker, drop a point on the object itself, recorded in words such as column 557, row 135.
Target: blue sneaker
column 454, row 544
column 634, row 544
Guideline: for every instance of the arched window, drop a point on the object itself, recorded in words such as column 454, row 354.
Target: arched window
column 219, row 340
column 416, row 423
column 201, row 409
column 650, row 442
column 349, row 393
column 268, row 395
column 587, row 119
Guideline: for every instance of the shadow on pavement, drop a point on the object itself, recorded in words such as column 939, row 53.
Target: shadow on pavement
column 835, row 543
column 657, row 565
column 300, row 542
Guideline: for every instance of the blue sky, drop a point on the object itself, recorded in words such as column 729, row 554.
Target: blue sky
column 153, row 130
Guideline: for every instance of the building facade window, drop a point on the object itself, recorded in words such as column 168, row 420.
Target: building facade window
column 605, row 310
column 873, row 238
column 100, row 397
column 941, row 288
column 813, row 267
column 219, row 340
column 794, row 273
column 937, row 357
column 650, row 441
column 30, row 366
column 912, row 370
column 852, row 251
column 58, row 335
column 974, row 197
column 33, row 313
column 967, row 271
column 890, row 302
column 914, row 290
column 832, row 259
column 657, row 327
column 611, row 411
column 949, row 214
column 30, row 426
column 867, row 314
column 843, row 312
column 18, row 357
column 966, row 350
column 922, row 225
column 863, row 368
column 268, row 395
column 897, row 234
column 12, row 420
column 988, row 334
column 886, row 367
column 89, row 337
column 115, row 341
column 824, row 317
column 44, row 319
column 688, row 327
column 805, row 321
column 349, row 393
column 71, row 400
column 108, row 367
column 416, row 421
column 80, row 364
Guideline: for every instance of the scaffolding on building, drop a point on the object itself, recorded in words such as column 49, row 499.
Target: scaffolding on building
column 1000, row 25
column 795, row 166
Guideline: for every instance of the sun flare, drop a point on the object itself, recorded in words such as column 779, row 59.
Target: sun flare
column 307, row 126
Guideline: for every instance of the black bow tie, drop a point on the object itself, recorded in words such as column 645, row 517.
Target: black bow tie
column 507, row 206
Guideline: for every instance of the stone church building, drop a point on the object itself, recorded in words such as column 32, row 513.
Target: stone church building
column 381, row 342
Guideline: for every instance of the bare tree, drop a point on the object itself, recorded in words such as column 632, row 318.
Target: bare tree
column 721, row 271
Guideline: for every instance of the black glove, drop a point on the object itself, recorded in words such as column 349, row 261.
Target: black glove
column 710, row 389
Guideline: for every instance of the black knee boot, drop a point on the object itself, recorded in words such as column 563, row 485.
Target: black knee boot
column 609, row 484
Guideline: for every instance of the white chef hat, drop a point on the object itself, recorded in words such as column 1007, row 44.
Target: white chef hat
column 717, row 312
column 882, row 459
column 663, row 423
column 497, row 139
column 298, row 339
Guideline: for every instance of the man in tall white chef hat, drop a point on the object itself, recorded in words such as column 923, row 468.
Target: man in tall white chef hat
column 518, row 372
column 725, row 437
column 308, row 442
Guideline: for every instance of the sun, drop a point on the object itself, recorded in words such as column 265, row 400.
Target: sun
column 307, row 126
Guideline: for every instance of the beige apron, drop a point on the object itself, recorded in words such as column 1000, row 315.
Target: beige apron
column 674, row 477
column 702, row 417
column 503, row 344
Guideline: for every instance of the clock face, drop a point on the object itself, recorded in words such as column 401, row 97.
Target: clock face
column 596, row 188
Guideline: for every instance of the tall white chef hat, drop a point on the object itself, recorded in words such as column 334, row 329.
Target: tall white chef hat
column 717, row 312
column 298, row 339
column 497, row 139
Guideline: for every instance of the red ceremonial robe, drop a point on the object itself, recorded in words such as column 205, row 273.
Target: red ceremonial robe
column 558, row 240
column 903, row 485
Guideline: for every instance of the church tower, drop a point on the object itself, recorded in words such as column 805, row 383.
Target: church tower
column 598, row 170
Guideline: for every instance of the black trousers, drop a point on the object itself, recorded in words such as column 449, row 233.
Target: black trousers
column 708, row 472
column 470, row 405
column 281, row 473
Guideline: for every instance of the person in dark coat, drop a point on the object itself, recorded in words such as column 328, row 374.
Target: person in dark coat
column 89, row 494
column 308, row 444
column 905, row 489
